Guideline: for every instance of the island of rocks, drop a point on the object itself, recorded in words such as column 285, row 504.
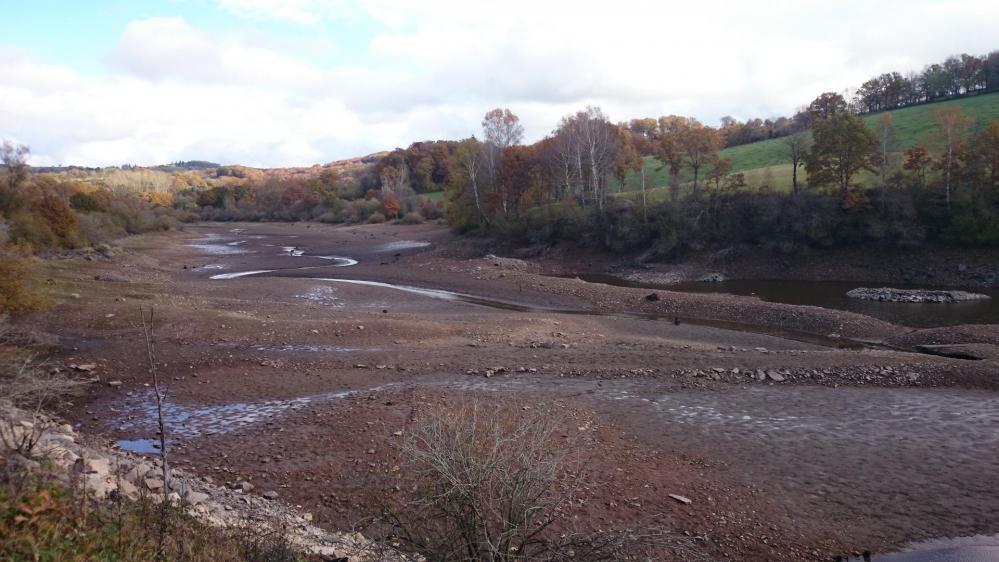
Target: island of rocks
column 886, row 294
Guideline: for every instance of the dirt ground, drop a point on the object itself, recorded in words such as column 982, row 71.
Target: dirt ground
column 298, row 381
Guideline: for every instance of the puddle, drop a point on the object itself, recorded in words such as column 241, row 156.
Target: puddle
column 966, row 549
column 236, row 274
column 211, row 266
column 217, row 249
column 832, row 294
column 141, row 446
column 402, row 245
column 137, row 413
column 309, row 348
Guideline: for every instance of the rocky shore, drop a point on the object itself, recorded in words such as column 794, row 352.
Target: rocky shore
column 885, row 294
column 109, row 473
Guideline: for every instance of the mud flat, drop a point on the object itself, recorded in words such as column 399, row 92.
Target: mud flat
column 299, row 376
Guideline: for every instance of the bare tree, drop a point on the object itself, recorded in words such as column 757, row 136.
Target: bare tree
column 953, row 124
column 886, row 143
column 470, row 157
column 591, row 145
column 501, row 129
column 147, row 333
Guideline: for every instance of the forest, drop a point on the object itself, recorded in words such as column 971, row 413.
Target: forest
column 664, row 185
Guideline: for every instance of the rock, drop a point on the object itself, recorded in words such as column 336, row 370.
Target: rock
column 243, row 486
column 127, row 489
column 85, row 368
column 153, row 484
column 761, row 349
column 114, row 384
column 196, row 498
column 712, row 278
column 775, row 376
column 886, row 294
column 96, row 466
column 652, row 297
column 270, row 495
column 97, row 484
column 682, row 499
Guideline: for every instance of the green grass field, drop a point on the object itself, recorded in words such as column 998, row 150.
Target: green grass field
column 435, row 196
column 912, row 126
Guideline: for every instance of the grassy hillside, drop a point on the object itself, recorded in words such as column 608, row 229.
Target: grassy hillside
column 912, row 125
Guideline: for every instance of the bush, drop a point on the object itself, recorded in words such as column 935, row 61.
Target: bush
column 493, row 483
column 44, row 519
column 18, row 285
column 411, row 218
column 375, row 218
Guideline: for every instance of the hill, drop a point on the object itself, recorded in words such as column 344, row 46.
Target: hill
column 912, row 124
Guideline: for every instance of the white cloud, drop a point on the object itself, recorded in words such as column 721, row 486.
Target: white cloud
column 168, row 47
column 430, row 69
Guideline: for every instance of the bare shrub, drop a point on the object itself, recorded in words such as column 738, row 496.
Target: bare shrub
column 486, row 482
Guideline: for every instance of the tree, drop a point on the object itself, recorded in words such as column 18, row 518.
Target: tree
column 886, row 142
column 843, row 146
column 827, row 105
column 502, row 128
column 986, row 148
column 952, row 125
column 796, row 148
column 698, row 145
column 917, row 161
column 15, row 164
column 469, row 155
column 588, row 145
column 669, row 150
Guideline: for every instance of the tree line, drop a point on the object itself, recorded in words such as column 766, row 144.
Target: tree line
column 561, row 188
column 957, row 76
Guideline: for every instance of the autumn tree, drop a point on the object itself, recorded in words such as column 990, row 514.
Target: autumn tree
column 795, row 148
column 502, row 128
column 827, row 105
column 392, row 206
column 843, row 146
column 952, row 125
column 917, row 161
column 698, row 145
column 669, row 150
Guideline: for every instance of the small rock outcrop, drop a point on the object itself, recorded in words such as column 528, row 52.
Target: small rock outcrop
column 885, row 294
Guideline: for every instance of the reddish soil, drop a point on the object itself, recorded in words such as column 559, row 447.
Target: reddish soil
column 791, row 490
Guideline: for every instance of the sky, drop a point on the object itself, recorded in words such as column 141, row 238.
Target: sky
column 273, row 83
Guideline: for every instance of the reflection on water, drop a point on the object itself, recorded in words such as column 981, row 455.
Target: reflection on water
column 832, row 294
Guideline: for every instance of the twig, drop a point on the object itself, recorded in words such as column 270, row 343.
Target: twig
column 147, row 332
